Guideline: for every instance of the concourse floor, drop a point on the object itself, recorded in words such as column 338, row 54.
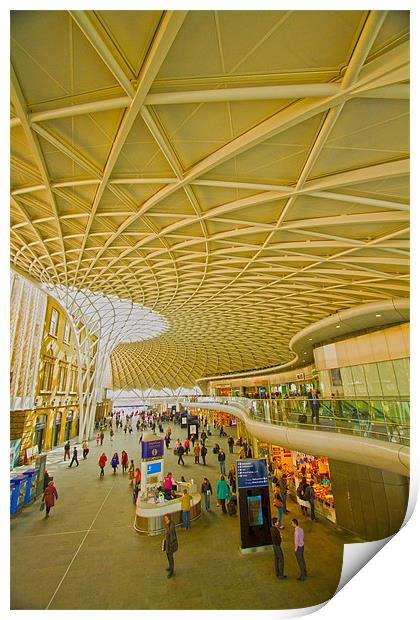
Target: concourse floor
column 88, row 556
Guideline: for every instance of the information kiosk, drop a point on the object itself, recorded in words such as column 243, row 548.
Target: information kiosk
column 254, row 504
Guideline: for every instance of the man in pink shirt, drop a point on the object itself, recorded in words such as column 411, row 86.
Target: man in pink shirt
column 299, row 550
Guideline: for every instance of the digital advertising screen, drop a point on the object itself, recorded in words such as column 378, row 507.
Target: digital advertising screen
column 193, row 429
column 255, row 514
column 252, row 473
column 153, row 468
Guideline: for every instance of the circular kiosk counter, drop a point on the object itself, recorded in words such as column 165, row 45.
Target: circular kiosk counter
column 149, row 515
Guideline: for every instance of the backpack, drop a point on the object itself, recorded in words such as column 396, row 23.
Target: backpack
column 308, row 493
column 301, row 492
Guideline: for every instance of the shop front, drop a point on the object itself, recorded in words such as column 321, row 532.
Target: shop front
column 39, row 434
column 299, row 465
column 69, row 421
column 57, row 429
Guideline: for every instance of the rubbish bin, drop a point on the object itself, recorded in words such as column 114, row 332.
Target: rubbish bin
column 18, row 486
column 31, row 486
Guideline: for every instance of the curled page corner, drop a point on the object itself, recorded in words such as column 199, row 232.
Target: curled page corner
column 357, row 555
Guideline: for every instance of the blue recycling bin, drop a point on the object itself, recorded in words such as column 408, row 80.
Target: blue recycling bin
column 31, row 485
column 18, row 486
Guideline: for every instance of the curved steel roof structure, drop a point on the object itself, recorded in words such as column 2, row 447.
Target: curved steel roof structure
column 241, row 173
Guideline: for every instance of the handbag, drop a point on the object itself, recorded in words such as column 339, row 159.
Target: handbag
column 42, row 506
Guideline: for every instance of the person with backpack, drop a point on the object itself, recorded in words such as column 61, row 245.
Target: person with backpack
column 203, row 454
column 180, row 453
column 301, row 496
column 102, row 462
column 207, row 492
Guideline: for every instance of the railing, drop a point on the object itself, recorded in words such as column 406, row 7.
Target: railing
column 386, row 420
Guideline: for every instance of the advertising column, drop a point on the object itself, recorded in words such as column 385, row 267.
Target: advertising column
column 254, row 503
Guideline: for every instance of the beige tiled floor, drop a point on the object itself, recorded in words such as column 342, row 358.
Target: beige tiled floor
column 88, row 556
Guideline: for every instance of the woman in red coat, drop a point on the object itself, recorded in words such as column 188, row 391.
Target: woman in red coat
column 50, row 495
column 124, row 460
column 102, row 462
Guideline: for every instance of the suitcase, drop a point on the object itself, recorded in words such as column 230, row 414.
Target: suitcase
column 231, row 507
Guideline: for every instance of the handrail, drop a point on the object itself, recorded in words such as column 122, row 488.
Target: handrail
column 386, row 420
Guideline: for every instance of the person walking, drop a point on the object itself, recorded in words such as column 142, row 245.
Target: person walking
column 98, row 439
column 131, row 472
column 67, row 450
column 74, row 458
column 115, row 461
column 278, row 552
column 85, row 448
column 310, row 497
column 231, row 443
column 197, row 453
column 203, row 438
column 170, row 543
column 102, row 462
column 124, row 461
column 187, row 446
column 102, row 437
column 186, row 510
column 221, row 457
column 111, row 434
column 207, row 492
column 314, row 405
column 203, row 453
column 223, row 492
column 232, row 478
column 46, row 480
column 299, row 550
column 180, row 453
column 49, row 496
column 278, row 504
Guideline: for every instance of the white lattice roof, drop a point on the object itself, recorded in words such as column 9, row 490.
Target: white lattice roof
column 241, row 173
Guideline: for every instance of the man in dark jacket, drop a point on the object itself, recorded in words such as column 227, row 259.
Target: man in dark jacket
column 221, row 457
column 170, row 543
column 74, row 458
column 180, row 454
column 203, row 453
column 278, row 553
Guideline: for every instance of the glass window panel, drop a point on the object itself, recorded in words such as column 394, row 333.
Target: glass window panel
column 348, row 384
column 373, row 382
column 402, row 376
column 387, row 376
column 359, row 380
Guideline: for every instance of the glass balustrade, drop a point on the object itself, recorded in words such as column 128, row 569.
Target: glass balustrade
column 386, row 420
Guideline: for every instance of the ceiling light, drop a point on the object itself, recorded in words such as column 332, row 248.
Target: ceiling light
column 310, row 338
column 378, row 315
column 337, row 327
